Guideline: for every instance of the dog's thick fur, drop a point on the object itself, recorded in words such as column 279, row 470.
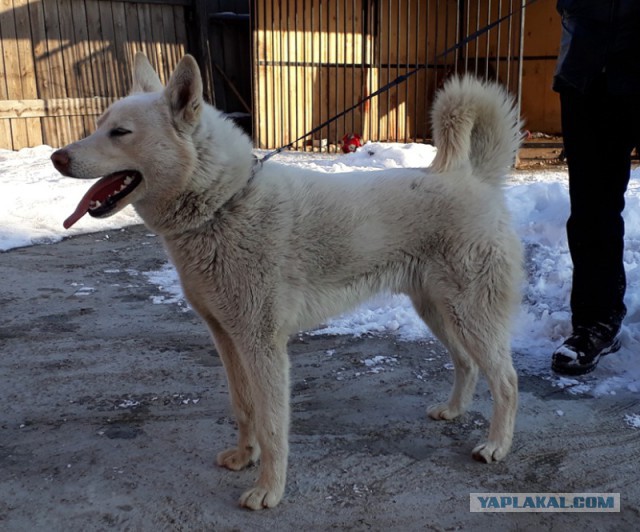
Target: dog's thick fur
column 265, row 251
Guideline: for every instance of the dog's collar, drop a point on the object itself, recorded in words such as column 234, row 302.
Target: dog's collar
column 255, row 168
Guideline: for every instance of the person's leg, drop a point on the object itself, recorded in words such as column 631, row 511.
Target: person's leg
column 598, row 140
column 598, row 155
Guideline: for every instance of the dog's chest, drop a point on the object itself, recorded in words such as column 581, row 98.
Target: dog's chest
column 213, row 274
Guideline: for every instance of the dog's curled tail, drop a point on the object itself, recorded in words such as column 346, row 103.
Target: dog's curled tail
column 475, row 123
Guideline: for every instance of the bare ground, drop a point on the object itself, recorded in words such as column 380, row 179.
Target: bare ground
column 114, row 409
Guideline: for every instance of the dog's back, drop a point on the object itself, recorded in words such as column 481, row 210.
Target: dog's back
column 358, row 233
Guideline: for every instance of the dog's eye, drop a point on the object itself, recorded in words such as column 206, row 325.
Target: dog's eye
column 118, row 132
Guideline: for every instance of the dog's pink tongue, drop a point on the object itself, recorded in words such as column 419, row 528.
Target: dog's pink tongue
column 83, row 205
column 81, row 210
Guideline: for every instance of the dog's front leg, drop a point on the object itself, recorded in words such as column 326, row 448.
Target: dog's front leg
column 268, row 373
column 247, row 451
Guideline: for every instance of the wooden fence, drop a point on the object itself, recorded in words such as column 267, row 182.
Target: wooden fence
column 63, row 61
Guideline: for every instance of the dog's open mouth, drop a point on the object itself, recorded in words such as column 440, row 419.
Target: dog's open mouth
column 103, row 197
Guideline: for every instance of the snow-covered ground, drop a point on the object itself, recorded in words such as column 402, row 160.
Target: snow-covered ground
column 35, row 200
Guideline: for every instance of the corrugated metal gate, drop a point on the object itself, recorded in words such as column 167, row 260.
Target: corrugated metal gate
column 314, row 58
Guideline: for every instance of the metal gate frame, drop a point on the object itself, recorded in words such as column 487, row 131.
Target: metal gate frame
column 314, row 58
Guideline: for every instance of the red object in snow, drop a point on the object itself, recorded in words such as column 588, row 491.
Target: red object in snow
column 351, row 142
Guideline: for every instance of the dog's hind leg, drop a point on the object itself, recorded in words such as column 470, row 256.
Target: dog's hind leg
column 495, row 363
column 465, row 369
column 464, row 384
column 475, row 342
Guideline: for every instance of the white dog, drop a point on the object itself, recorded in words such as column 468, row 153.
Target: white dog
column 264, row 251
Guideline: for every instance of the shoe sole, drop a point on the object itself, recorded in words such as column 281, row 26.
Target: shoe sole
column 583, row 369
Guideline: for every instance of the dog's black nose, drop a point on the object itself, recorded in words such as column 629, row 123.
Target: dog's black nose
column 61, row 160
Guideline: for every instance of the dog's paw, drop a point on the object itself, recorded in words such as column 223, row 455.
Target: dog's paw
column 258, row 498
column 442, row 411
column 237, row 458
column 490, row 452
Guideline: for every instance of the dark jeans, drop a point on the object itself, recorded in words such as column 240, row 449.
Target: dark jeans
column 600, row 131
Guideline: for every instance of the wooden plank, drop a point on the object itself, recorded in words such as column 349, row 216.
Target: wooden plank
column 158, row 39
column 55, row 129
column 370, row 113
column 146, row 39
column 19, row 131
column 170, row 40
column 287, row 53
column 346, row 37
column 201, row 30
column 119, row 48
column 4, row 74
column 306, row 57
column 23, row 140
column 266, row 117
column 35, row 108
column 96, row 47
column 384, row 101
column 10, row 51
column 181, row 32
column 133, row 39
column 402, row 108
column 540, row 106
column 89, row 122
column 273, row 117
column 407, row 39
column 332, row 72
column 113, row 84
column 72, row 65
column 27, row 67
column 42, row 75
column 182, row 3
column 25, row 49
column 259, row 83
column 544, row 25
column 6, row 137
column 56, row 85
column 317, row 46
column 415, row 53
column 82, row 52
column 50, row 131
column 297, row 80
column 353, row 32
column 68, row 49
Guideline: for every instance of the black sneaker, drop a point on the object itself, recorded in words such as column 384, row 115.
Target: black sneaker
column 581, row 352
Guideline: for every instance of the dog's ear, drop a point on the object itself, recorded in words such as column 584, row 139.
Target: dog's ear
column 145, row 78
column 184, row 92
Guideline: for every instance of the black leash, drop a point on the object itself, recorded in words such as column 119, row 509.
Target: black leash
column 396, row 81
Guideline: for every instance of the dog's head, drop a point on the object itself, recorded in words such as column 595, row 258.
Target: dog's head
column 142, row 149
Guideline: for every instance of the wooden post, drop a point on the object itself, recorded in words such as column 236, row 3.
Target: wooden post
column 199, row 45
